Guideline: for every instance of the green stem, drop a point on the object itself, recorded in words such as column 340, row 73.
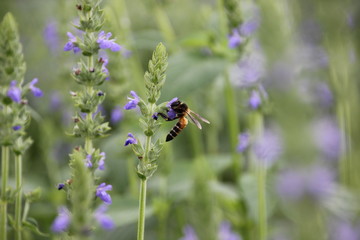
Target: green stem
column 142, row 207
column 261, row 182
column 4, row 182
column 18, row 176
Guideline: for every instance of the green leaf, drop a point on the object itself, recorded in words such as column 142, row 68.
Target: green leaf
column 32, row 225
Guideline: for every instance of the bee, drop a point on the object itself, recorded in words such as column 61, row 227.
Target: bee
column 182, row 111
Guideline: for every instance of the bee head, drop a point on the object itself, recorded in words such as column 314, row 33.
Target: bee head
column 175, row 104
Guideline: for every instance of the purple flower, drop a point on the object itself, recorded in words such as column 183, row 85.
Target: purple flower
column 225, row 232
column 268, row 147
column 314, row 181
column 88, row 162
column 344, row 230
column 101, row 165
column 189, row 234
column 60, row 186
column 16, row 128
column 249, row 27
column 171, row 113
column 104, row 220
column 133, row 102
column 104, row 68
column 55, row 101
column 105, row 42
column 14, row 92
column 130, row 140
column 51, row 36
column 327, row 137
column 71, row 44
column 254, row 100
column 116, row 115
column 35, row 90
column 235, row 39
column 243, row 142
column 102, row 194
column 62, row 221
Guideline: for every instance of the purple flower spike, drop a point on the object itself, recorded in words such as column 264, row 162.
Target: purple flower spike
column 71, row 44
column 35, row 90
column 189, row 234
column 105, row 42
column 102, row 194
column 268, row 148
column 62, row 221
column 244, row 142
column 235, row 39
column 88, row 162
column 116, row 115
column 104, row 220
column 130, row 140
column 14, row 92
column 133, row 102
column 225, row 232
column 254, row 100
column 101, row 165
column 16, row 128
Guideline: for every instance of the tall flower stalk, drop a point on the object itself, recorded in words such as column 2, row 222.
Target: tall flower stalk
column 14, row 118
column 148, row 153
column 83, row 189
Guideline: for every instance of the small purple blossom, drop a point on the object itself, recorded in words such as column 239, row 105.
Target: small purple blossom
column 35, row 90
column 62, row 221
column 133, row 102
column 71, row 44
column 14, row 92
column 243, row 142
column 16, row 127
column 189, row 233
column 171, row 113
column 225, row 232
column 102, row 194
column 116, row 115
column 249, row 27
column 105, row 42
column 51, row 36
column 235, row 39
column 104, row 68
column 88, row 162
column 60, row 186
column 268, row 147
column 130, row 140
column 254, row 100
column 104, row 220
column 101, row 165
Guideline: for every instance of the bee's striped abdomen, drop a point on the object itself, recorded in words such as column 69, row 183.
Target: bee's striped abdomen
column 177, row 129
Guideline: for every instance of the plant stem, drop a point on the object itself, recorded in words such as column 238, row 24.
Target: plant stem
column 4, row 180
column 18, row 176
column 142, row 206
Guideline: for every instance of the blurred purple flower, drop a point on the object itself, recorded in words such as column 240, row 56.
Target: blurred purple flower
column 116, row 115
column 104, row 68
column 35, row 90
column 250, row 26
column 254, row 100
column 327, row 137
column 225, row 232
column 55, row 101
column 343, row 230
column 315, row 182
column 71, row 44
column 62, row 221
column 14, row 92
column 323, row 94
column 268, row 147
column 16, row 127
column 60, row 186
column 51, row 36
column 101, row 164
column 105, row 42
column 189, row 233
column 102, row 194
column 243, row 142
column 133, row 102
column 104, row 220
column 88, row 162
column 130, row 140
column 235, row 39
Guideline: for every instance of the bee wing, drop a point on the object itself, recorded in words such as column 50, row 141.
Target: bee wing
column 200, row 117
column 194, row 120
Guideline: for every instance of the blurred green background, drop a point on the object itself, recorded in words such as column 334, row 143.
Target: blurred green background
column 306, row 46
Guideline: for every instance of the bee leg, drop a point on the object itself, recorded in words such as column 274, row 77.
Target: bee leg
column 164, row 116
